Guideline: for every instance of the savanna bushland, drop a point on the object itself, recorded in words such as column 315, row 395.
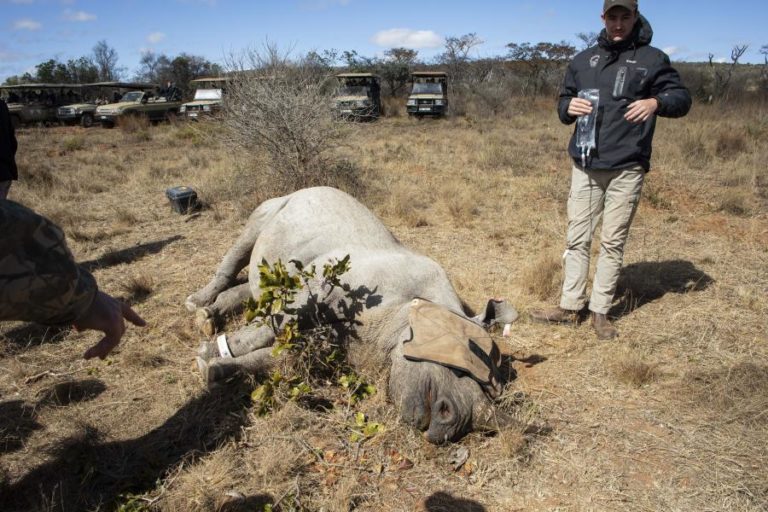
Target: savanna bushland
column 671, row 416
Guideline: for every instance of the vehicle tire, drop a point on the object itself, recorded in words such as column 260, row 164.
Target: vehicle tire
column 86, row 121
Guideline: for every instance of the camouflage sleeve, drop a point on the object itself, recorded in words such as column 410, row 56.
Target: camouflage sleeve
column 39, row 279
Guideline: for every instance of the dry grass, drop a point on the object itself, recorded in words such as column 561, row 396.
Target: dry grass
column 671, row 416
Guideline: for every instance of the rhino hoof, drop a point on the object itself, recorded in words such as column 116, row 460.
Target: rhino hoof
column 206, row 321
column 190, row 304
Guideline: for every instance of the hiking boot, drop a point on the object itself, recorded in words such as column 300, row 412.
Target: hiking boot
column 603, row 327
column 554, row 315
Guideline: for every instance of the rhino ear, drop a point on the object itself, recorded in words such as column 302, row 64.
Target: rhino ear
column 498, row 311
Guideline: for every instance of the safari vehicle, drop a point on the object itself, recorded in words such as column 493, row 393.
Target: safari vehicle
column 137, row 103
column 359, row 96
column 37, row 103
column 429, row 94
column 93, row 95
column 208, row 97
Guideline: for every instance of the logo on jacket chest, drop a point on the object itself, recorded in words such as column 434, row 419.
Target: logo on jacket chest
column 593, row 61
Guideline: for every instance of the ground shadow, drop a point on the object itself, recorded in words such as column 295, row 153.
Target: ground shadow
column 88, row 473
column 28, row 334
column 69, row 392
column 17, row 422
column 129, row 255
column 644, row 282
column 444, row 502
column 249, row 504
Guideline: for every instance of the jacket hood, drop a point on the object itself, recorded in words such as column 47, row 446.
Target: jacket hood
column 641, row 36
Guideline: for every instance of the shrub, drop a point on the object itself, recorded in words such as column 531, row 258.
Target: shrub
column 279, row 110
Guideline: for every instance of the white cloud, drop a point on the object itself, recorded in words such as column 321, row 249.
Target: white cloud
column 155, row 37
column 671, row 50
column 70, row 15
column 27, row 24
column 407, row 38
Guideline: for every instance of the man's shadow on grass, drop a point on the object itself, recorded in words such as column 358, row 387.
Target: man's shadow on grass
column 88, row 473
column 644, row 282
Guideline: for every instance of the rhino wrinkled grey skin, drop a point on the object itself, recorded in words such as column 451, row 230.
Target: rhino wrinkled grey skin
column 314, row 226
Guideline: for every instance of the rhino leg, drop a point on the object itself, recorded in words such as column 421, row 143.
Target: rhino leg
column 237, row 257
column 228, row 302
column 240, row 343
column 219, row 368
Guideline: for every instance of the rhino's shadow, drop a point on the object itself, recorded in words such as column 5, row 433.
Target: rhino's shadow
column 646, row 281
column 87, row 473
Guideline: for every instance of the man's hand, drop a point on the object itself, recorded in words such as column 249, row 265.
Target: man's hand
column 641, row 110
column 107, row 315
column 579, row 107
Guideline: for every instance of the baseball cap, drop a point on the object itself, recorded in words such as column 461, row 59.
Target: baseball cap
column 628, row 4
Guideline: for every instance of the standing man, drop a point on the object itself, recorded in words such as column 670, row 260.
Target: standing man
column 636, row 84
column 7, row 151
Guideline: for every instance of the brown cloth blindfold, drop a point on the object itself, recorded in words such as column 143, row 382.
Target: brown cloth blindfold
column 439, row 335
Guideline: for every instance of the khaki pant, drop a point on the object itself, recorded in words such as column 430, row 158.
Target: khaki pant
column 614, row 195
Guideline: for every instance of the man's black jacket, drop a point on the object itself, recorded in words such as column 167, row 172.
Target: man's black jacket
column 7, row 145
column 623, row 72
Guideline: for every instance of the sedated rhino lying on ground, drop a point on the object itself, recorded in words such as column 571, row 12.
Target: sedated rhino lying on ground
column 316, row 225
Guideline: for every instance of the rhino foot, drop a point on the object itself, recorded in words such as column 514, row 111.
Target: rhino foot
column 205, row 320
column 215, row 370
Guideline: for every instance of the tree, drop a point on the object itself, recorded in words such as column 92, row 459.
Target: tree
column 105, row 58
column 456, row 54
column 395, row 69
column 764, row 73
column 51, row 72
column 540, row 61
column 721, row 77
column 180, row 70
column 588, row 39
column 82, row 71
column 277, row 109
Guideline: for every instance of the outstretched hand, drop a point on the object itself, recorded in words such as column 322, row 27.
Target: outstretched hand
column 107, row 315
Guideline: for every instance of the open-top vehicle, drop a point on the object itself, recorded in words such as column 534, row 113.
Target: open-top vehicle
column 38, row 103
column 140, row 103
column 359, row 96
column 209, row 93
column 429, row 94
column 93, row 95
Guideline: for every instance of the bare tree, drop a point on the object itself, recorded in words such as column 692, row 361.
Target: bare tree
column 105, row 58
column 278, row 111
column 764, row 73
column 721, row 75
column 588, row 39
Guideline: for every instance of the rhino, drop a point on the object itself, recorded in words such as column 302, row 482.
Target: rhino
column 445, row 399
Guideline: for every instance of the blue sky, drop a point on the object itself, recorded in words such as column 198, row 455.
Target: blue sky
column 37, row 30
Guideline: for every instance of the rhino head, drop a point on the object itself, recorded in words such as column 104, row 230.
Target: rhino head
column 443, row 385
